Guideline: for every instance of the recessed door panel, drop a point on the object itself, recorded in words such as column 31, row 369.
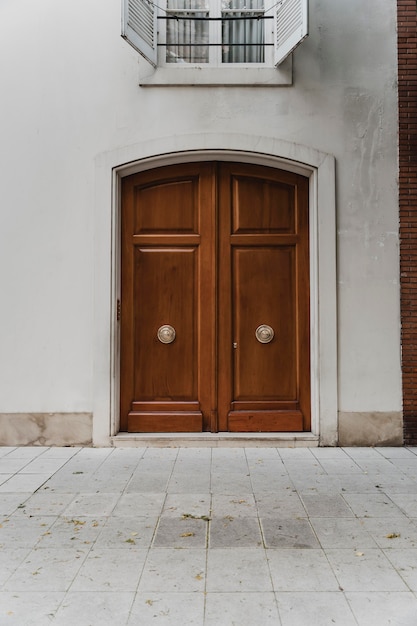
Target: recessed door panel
column 215, row 300
column 165, row 330
column 263, row 288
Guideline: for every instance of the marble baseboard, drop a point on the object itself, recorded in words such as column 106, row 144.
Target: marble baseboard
column 371, row 429
column 46, row 429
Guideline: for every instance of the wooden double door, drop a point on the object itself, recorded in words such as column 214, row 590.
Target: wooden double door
column 215, row 300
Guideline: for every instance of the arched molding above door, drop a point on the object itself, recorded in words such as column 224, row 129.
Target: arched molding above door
column 319, row 167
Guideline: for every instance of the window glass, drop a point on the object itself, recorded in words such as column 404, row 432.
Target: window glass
column 187, row 39
column 243, row 39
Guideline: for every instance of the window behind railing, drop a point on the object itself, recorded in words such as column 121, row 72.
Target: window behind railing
column 187, row 36
column 236, row 28
column 243, row 39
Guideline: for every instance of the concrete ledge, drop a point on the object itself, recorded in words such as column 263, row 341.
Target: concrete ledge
column 46, row 429
column 215, row 440
column 371, row 429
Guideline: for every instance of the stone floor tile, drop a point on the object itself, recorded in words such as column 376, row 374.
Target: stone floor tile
column 95, row 455
column 9, row 502
column 321, row 608
column 139, row 505
column 301, row 570
column 46, row 569
column 230, row 483
column 285, row 533
column 224, row 469
column 228, row 532
column 171, row 570
column 72, row 533
column 238, row 505
column 237, row 570
column 4, row 478
column 340, row 466
column 91, row 607
column 369, row 569
column 406, row 502
column 265, row 483
column 22, row 483
column 195, row 459
column 407, row 466
column 313, row 484
column 362, row 452
column 105, row 484
column 181, row 533
column 392, row 532
column 372, row 505
column 92, row 504
column 168, row 609
column 10, row 465
column 405, row 562
column 383, row 609
column 110, row 569
column 56, row 452
column 29, row 608
column 27, row 452
column 187, row 504
column 228, row 454
column 262, row 454
column 342, row 533
column 357, row 483
column 10, row 559
column 148, row 465
column 268, row 468
column 300, row 468
column 244, row 609
column 284, row 505
column 43, row 465
column 186, row 454
column 142, row 482
column 378, row 466
column 125, row 532
column 45, row 503
column 296, row 453
column 24, row 531
column 161, row 454
column 321, row 505
column 397, row 452
column 4, row 450
column 186, row 482
column 391, row 485
column 329, row 453
column 68, row 482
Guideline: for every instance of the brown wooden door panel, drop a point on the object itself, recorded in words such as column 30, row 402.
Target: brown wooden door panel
column 165, row 293
column 263, row 284
column 167, row 279
column 215, row 250
column 263, row 235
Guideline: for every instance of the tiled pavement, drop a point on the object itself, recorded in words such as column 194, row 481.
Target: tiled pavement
column 212, row 537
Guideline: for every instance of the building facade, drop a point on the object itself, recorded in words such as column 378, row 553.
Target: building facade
column 201, row 236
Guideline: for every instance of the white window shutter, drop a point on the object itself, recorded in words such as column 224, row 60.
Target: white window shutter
column 139, row 27
column 291, row 27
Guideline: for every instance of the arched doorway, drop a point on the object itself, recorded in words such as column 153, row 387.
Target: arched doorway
column 215, row 322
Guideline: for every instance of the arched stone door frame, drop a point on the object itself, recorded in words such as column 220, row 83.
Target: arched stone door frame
column 319, row 167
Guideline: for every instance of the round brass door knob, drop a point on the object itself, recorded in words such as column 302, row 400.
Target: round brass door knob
column 166, row 334
column 264, row 333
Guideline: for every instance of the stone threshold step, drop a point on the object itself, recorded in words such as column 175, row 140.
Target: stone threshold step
column 215, row 440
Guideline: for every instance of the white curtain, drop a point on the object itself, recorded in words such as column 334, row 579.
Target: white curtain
column 249, row 33
column 187, row 39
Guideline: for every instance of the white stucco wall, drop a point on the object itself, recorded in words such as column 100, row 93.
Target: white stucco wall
column 69, row 93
